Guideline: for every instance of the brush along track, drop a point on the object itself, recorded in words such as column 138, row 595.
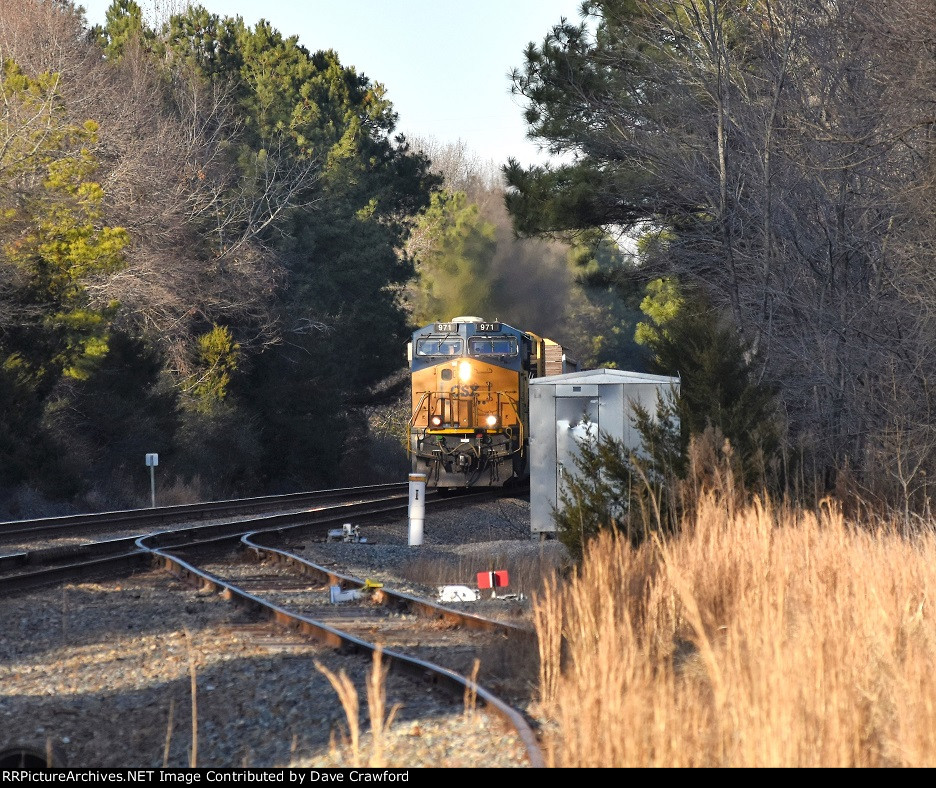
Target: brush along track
column 465, row 655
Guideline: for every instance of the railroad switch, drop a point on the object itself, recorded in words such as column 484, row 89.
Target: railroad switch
column 347, row 533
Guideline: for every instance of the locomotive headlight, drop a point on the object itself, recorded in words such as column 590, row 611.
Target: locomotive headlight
column 464, row 371
column 436, row 421
column 491, row 420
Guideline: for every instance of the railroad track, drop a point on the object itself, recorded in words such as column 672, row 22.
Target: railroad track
column 105, row 545
column 237, row 560
column 461, row 653
column 60, row 533
column 170, row 515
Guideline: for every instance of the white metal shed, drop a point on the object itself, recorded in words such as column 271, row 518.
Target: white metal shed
column 568, row 409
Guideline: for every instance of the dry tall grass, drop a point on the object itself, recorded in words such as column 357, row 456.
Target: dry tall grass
column 761, row 637
column 380, row 719
column 193, row 682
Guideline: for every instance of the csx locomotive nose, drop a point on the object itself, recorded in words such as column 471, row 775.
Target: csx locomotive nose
column 469, row 424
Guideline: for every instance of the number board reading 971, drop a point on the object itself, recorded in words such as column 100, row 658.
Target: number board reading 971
column 452, row 328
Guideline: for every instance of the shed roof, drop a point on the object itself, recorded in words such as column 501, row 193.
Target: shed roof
column 604, row 376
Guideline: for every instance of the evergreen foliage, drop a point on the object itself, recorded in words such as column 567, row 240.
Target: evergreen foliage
column 217, row 360
column 54, row 244
column 123, row 27
column 455, row 263
column 718, row 385
column 606, row 314
column 631, row 490
column 104, row 425
column 254, row 296
column 59, row 243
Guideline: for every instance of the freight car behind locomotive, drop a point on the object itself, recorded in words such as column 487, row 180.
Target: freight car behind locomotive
column 470, row 418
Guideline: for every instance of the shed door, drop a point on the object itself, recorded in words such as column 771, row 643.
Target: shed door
column 576, row 422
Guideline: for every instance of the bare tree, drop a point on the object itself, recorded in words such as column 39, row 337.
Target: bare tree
column 197, row 220
column 462, row 169
column 790, row 142
column 519, row 267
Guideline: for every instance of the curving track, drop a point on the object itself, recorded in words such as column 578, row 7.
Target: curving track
column 406, row 629
column 35, row 553
column 435, row 645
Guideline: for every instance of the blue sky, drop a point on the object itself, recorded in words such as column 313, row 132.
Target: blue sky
column 444, row 64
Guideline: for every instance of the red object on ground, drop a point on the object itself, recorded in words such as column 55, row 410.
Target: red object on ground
column 492, row 579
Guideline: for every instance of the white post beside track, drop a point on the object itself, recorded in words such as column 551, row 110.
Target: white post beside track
column 417, row 507
column 152, row 460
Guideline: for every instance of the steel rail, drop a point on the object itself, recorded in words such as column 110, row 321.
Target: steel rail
column 180, row 512
column 117, row 557
column 89, row 559
column 108, row 567
column 430, row 672
column 383, row 595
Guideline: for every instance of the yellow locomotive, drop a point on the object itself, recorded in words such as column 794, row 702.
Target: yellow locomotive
column 470, row 418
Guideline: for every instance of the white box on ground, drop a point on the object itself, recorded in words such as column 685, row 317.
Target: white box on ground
column 458, row 594
column 337, row 595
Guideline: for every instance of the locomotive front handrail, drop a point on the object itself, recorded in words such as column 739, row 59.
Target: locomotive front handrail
column 516, row 406
column 418, row 407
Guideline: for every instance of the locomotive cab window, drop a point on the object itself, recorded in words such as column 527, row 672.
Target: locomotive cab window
column 450, row 346
column 492, row 346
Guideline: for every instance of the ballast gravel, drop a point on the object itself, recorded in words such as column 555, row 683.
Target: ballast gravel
column 148, row 672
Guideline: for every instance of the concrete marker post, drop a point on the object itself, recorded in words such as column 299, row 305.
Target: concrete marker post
column 417, row 507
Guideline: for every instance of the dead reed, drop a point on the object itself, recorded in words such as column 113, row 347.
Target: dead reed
column 380, row 719
column 348, row 696
column 193, row 681
column 471, row 690
column 761, row 636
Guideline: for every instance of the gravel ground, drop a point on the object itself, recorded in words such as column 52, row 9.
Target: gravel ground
column 102, row 673
column 455, row 547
